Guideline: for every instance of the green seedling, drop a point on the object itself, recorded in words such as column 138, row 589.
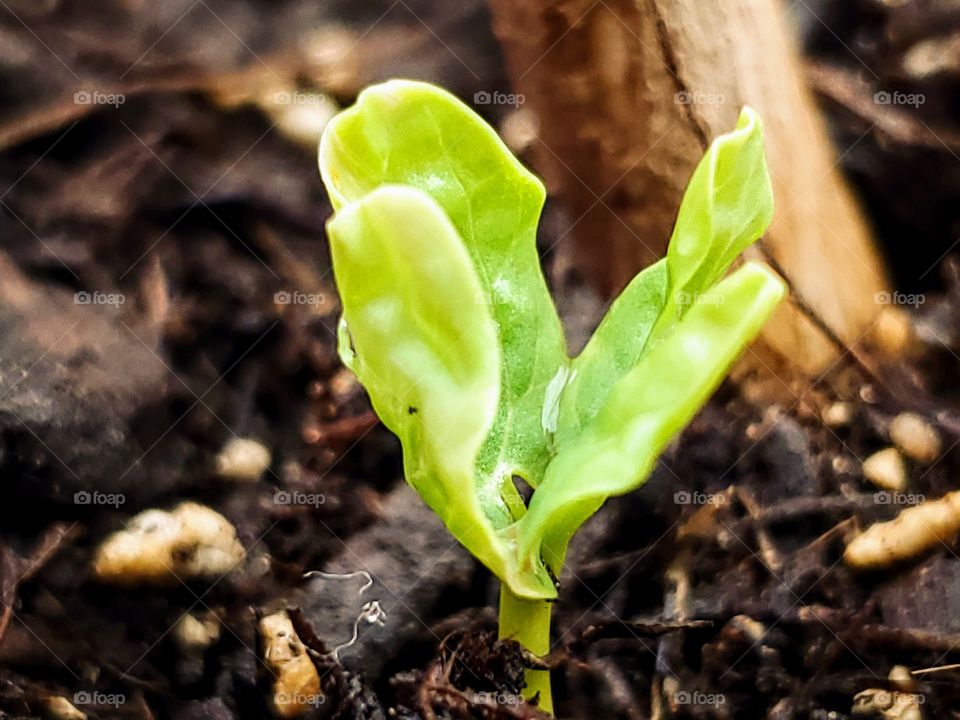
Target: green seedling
column 448, row 323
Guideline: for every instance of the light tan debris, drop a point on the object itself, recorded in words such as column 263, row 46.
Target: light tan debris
column 893, row 331
column 57, row 707
column 753, row 629
column 301, row 116
column 343, row 384
column 158, row 547
column 838, row 414
column 296, row 688
column 901, row 703
column 916, row 437
column 886, row 470
column 913, row 532
column 902, row 678
column 845, row 465
column 335, row 55
column 519, row 129
column 933, row 56
column 243, row 459
column 193, row 634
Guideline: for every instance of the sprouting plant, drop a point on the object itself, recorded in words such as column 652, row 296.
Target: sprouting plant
column 448, row 323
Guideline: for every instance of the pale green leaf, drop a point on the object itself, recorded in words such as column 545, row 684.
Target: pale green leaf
column 726, row 207
column 645, row 410
column 423, row 347
column 614, row 349
column 415, row 134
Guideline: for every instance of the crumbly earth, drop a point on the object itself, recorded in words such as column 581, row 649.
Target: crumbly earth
column 166, row 290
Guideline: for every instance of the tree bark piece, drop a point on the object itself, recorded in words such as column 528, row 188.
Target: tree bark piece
column 628, row 95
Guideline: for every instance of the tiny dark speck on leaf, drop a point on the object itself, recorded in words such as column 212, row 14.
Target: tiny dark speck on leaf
column 411, row 410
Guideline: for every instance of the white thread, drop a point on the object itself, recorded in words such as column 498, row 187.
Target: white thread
column 373, row 614
column 344, row 576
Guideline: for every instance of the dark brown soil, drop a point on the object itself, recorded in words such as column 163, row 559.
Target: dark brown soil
column 190, row 201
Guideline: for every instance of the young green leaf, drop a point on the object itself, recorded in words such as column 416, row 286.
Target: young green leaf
column 726, row 207
column 424, row 348
column 421, row 345
column 645, row 410
column 416, row 134
column 614, row 349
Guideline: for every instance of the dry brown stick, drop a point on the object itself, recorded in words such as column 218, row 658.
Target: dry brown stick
column 629, row 92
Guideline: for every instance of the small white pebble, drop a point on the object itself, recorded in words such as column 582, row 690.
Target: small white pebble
column 243, row 459
column 193, row 634
column 902, row 678
column 927, row 57
column 753, row 629
column 343, row 384
column 886, row 470
column 160, row 547
column 304, row 123
column 296, row 685
column 838, row 414
column 916, row 437
column 520, row 129
column 868, row 393
column 755, row 431
column 844, row 465
column 892, row 333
